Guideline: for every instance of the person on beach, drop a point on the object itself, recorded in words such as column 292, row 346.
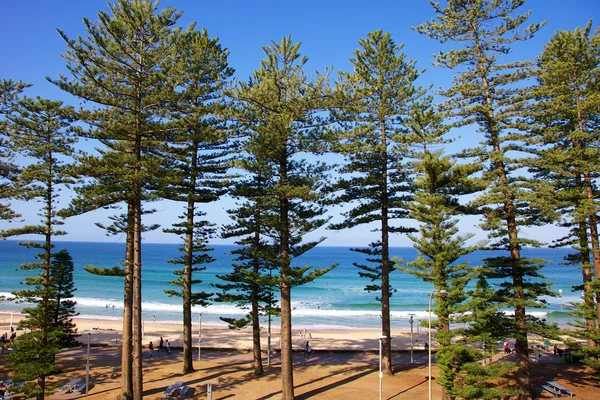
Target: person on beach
column 160, row 344
column 307, row 350
column 150, row 350
column 168, row 347
column 154, row 318
column 506, row 350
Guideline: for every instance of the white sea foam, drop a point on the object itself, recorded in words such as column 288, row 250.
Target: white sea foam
column 300, row 309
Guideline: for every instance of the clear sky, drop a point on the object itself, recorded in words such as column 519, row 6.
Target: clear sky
column 329, row 31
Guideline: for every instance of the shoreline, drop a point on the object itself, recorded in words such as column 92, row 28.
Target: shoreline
column 213, row 337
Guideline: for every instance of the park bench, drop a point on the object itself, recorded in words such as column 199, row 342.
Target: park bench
column 172, row 390
column 184, row 391
column 67, row 387
column 550, row 389
column 560, row 388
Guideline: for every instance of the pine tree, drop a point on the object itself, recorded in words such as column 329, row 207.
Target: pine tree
column 567, row 116
column 62, row 307
column 438, row 183
column 196, row 165
column 127, row 66
column 194, row 252
column 10, row 92
column 487, row 93
column 375, row 101
column 42, row 135
column 249, row 284
column 281, row 109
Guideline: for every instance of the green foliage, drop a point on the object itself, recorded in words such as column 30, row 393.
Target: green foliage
column 251, row 282
column 565, row 115
column 112, row 271
column 465, row 377
column 33, row 357
column 437, row 186
column 194, row 253
column 374, row 103
column 493, row 96
column 10, row 92
column 126, row 67
column 281, row 111
column 62, row 307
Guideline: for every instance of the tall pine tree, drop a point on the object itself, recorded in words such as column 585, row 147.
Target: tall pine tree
column 281, row 109
column 251, row 282
column 42, row 135
column 437, row 186
column 196, row 164
column 486, row 93
column 10, row 92
column 126, row 68
column 374, row 101
column 567, row 142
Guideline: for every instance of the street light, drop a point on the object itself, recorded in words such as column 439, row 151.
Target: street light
column 430, row 297
column 411, row 337
column 199, row 336
column 380, row 366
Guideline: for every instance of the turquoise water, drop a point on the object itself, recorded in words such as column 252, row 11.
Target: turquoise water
column 335, row 301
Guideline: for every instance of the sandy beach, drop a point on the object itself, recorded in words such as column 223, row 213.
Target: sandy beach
column 345, row 364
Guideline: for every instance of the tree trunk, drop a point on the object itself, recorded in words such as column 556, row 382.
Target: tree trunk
column 188, row 363
column 287, row 372
column 256, row 350
column 593, row 225
column 586, row 274
column 138, row 385
column 520, row 325
column 126, row 339
column 386, row 358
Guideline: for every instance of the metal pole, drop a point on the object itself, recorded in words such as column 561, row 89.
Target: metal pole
column 380, row 370
column 200, row 336
column 411, row 339
column 87, row 367
column 269, row 339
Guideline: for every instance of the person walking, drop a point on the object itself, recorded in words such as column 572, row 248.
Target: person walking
column 160, row 344
column 150, row 350
column 168, row 347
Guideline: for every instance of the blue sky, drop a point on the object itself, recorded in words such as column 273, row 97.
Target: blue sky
column 329, row 32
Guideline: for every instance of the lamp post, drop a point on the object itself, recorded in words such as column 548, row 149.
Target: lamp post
column 199, row 336
column 429, row 343
column 87, row 366
column 380, row 365
column 411, row 321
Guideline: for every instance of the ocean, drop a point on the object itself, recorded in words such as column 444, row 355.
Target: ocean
column 336, row 300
